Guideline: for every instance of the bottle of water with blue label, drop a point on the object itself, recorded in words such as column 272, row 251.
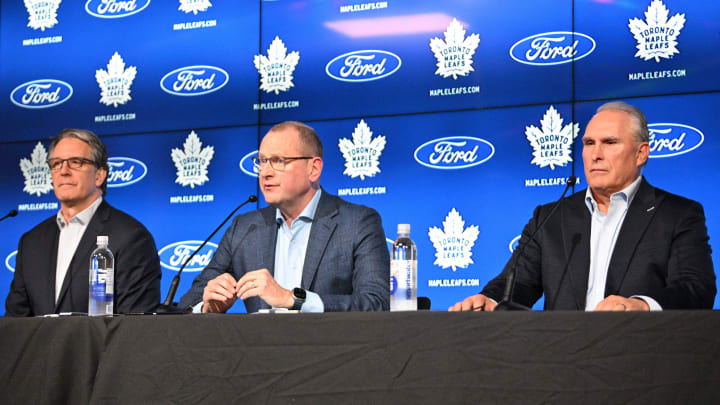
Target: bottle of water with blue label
column 403, row 272
column 102, row 275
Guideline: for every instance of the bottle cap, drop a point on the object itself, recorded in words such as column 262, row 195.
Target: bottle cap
column 102, row 240
column 404, row 228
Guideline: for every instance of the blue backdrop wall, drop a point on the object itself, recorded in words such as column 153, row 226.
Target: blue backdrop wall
column 458, row 117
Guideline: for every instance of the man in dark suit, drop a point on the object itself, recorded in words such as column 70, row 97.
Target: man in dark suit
column 620, row 245
column 308, row 251
column 51, row 269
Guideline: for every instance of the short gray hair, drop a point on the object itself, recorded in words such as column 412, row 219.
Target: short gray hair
column 98, row 150
column 308, row 136
column 641, row 132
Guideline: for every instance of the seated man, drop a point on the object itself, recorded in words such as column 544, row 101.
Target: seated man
column 53, row 259
column 308, row 251
column 619, row 245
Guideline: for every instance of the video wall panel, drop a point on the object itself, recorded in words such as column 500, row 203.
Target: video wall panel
column 463, row 146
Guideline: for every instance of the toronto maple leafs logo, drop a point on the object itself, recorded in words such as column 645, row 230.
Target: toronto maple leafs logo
column 115, row 82
column 194, row 6
column 42, row 14
column 453, row 244
column 192, row 162
column 552, row 144
column 454, row 54
column 36, row 172
column 276, row 69
column 362, row 153
column 657, row 35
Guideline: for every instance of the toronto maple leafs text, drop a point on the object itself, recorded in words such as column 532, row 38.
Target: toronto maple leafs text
column 352, row 8
column 362, row 191
column 42, row 41
column 115, row 117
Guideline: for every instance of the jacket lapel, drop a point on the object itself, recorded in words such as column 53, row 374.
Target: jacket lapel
column 576, row 240
column 77, row 274
column 267, row 240
column 322, row 229
column 640, row 212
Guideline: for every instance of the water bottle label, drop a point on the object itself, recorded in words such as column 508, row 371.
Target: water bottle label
column 393, row 285
column 98, row 291
column 401, row 271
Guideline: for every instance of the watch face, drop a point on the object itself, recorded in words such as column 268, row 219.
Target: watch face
column 299, row 293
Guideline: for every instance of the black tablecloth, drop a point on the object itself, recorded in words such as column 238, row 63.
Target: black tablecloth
column 421, row 357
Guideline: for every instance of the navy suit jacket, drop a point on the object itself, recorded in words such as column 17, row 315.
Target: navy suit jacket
column 662, row 252
column 346, row 262
column 137, row 267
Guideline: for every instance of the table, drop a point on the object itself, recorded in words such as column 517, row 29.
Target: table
column 414, row 357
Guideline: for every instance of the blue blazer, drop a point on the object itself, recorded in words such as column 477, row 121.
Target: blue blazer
column 347, row 261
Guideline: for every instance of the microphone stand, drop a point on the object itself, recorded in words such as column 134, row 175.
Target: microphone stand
column 168, row 307
column 507, row 304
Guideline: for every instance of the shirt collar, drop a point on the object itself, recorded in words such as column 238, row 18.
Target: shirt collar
column 627, row 194
column 307, row 214
column 83, row 218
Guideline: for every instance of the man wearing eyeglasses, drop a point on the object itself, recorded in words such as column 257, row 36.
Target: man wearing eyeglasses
column 309, row 251
column 51, row 270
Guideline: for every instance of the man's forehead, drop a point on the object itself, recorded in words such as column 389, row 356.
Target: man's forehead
column 280, row 140
column 73, row 146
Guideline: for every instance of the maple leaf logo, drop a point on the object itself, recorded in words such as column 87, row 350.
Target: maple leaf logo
column 454, row 54
column 657, row 36
column 276, row 70
column 194, row 6
column 42, row 14
column 192, row 162
column 362, row 153
column 453, row 244
column 36, row 172
column 552, row 144
column 115, row 82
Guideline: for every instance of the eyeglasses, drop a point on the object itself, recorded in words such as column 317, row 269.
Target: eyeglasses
column 72, row 162
column 276, row 162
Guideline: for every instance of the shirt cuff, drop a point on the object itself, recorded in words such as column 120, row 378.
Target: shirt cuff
column 654, row 306
column 313, row 303
column 197, row 309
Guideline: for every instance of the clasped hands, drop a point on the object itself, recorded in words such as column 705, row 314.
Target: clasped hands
column 479, row 302
column 221, row 292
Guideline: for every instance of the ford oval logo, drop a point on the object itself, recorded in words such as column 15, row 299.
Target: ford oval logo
column 114, row 8
column 125, row 171
column 194, row 80
column 10, row 261
column 668, row 139
column 363, row 66
column 454, row 152
column 246, row 164
column 175, row 254
column 514, row 243
column 552, row 48
column 43, row 93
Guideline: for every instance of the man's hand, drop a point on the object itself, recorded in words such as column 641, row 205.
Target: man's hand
column 260, row 283
column 476, row 302
column 219, row 294
column 618, row 303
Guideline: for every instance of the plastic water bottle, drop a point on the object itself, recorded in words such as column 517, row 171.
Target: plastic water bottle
column 102, row 275
column 403, row 272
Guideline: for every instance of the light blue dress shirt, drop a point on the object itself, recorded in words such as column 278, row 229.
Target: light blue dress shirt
column 604, row 231
column 290, row 247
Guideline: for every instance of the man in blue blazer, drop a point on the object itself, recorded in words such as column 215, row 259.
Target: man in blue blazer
column 308, row 251
column 621, row 244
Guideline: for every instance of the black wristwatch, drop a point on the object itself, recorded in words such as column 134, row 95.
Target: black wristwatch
column 299, row 295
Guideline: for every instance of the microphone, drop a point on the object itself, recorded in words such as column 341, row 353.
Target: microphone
column 12, row 213
column 507, row 304
column 168, row 307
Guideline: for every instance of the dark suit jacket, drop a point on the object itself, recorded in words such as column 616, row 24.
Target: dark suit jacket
column 137, row 267
column 661, row 252
column 347, row 261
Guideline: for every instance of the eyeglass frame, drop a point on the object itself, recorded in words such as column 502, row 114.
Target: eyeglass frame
column 60, row 162
column 285, row 159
